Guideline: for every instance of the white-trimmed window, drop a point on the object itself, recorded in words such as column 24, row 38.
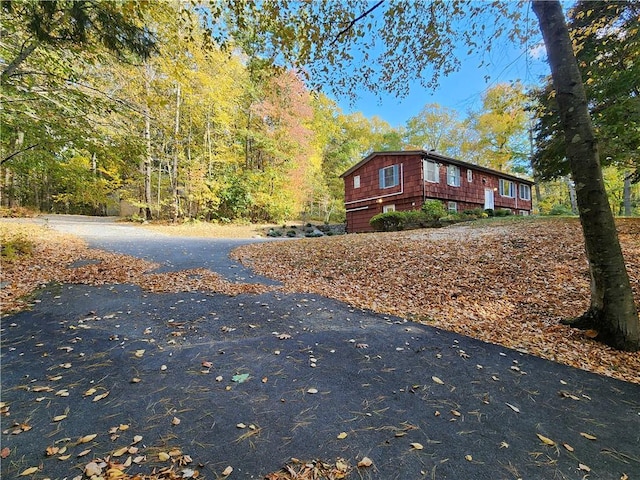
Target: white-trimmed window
column 390, row 176
column 388, row 208
column 356, row 181
column 431, row 171
column 507, row 188
column 524, row 213
column 452, row 207
column 453, row 175
column 524, row 191
column 469, row 175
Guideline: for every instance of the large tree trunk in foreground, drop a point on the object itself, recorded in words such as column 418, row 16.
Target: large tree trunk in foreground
column 612, row 311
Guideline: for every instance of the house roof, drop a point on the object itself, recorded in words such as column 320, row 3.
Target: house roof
column 438, row 158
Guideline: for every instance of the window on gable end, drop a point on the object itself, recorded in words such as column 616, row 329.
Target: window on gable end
column 389, row 176
column 356, row 181
column 469, row 175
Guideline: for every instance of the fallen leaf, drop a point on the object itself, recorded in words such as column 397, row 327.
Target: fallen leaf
column 59, row 418
column 207, row 364
column 468, row 458
column 456, row 413
column 139, row 353
column 241, row 425
column 583, row 467
column 342, row 435
column 92, row 469
column 416, row 446
column 588, row 436
column 591, row 333
column 87, row 438
column 365, row 462
column 545, row 440
column 512, row 407
column 437, row 380
column 5, row 452
column 312, row 391
column 135, row 380
column 123, row 427
column 83, row 453
column 89, row 392
column 163, row 456
column 29, row 471
column 568, row 447
column 64, row 457
column 240, row 378
column 120, row 452
column 227, row 471
column 137, row 439
column 175, row 421
column 97, row 398
column 50, row 451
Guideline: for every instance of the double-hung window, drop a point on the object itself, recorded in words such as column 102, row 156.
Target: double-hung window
column 453, row 175
column 525, row 192
column 431, row 171
column 390, row 176
column 507, row 188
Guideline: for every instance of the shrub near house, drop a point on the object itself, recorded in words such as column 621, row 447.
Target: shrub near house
column 401, row 181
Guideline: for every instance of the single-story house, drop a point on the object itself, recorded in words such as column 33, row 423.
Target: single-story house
column 387, row 181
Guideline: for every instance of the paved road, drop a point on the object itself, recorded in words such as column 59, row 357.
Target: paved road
column 172, row 253
column 253, row 380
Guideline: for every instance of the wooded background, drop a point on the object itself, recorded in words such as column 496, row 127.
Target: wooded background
column 161, row 116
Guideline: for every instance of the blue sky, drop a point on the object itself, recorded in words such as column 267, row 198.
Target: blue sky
column 462, row 90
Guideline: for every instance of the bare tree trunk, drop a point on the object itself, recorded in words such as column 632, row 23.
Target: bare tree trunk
column 612, row 311
column 148, row 158
column 573, row 200
column 174, row 177
column 626, row 194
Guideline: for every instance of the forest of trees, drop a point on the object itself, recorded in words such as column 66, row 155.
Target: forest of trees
column 162, row 117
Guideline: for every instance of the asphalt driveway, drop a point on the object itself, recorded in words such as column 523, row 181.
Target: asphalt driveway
column 202, row 382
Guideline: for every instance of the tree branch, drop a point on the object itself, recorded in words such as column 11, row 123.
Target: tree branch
column 353, row 22
column 11, row 68
column 6, row 159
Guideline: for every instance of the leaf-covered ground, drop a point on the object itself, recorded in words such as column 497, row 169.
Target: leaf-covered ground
column 96, row 425
column 508, row 283
column 58, row 257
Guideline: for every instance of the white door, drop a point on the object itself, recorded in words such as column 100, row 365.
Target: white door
column 488, row 198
